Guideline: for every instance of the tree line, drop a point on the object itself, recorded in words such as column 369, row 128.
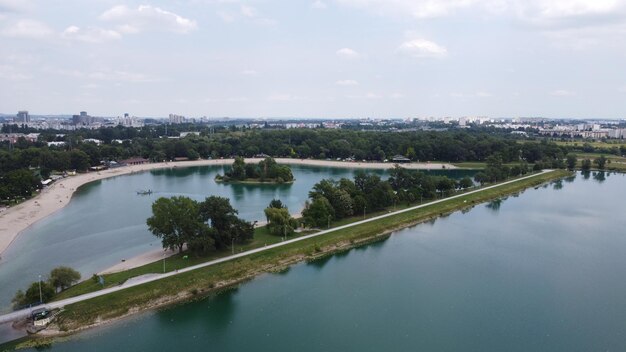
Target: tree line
column 219, row 142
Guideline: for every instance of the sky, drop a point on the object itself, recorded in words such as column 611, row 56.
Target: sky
column 315, row 58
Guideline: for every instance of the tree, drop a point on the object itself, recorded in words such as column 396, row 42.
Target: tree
column 318, row 213
column 601, row 162
column 280, row 221
column 21, row 183
column 481, row 178
column 223, row 218
column 176, row 221
column 586, row 165
column 79, row 160
column 276, row 203
column 32, row 294
column 63, row 277
column 466, row 182
column 571, row 161
column 238, row 170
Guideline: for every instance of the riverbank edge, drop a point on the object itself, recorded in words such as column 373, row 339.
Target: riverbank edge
column 19, row 218
column 72, row 321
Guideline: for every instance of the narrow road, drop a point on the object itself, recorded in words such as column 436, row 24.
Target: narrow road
column 154, row 277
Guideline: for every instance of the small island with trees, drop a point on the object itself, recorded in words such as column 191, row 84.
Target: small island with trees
column 266, row 171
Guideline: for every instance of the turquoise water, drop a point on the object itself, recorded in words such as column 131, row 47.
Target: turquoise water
column 542, row 271
column 106, row 220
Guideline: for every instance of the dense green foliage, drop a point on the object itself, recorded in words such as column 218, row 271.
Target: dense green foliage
column 20, row 183
column 496, row 171
column 266, row 170
column 60, row 278
column 121, row 143
column 334, row 200
column 280, row 222
column 202, row 226
column 177, row 221
column 63, row 277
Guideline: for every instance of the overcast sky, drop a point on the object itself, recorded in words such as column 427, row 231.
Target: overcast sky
column 315, row 58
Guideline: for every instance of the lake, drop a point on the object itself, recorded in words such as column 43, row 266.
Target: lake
column 541, row 271
column 106, row 220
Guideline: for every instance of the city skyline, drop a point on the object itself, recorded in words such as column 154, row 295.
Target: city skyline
column 327, row 59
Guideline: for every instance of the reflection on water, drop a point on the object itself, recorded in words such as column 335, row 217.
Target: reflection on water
column 495, row 204
column 599, row 176
column 586, row 174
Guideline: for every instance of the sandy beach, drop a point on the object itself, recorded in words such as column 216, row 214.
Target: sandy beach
column 16, row 219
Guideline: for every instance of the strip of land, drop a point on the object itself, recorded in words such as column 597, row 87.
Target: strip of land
column 16, row 219
column 356, row 230
column 157, row 254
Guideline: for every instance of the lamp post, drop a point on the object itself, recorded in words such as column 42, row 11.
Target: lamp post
column 163, row 265
column 364, row 211
column 328, row 222
column 232, row 244
column 40, row 295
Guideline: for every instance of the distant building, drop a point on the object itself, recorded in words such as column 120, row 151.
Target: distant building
column 82, row 119
column 176, row 119
column 92, row 140
column 185, row 134
column 134, row 161
column 400, row 159
column 22, row 116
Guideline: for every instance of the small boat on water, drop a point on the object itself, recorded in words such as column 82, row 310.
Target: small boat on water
column 144, row 192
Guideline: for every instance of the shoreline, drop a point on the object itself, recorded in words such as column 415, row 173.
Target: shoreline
column 16, row 219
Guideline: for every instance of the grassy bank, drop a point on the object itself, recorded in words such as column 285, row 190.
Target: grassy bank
column 199, row 282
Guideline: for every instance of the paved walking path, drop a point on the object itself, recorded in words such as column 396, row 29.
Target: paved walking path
column 150, row 278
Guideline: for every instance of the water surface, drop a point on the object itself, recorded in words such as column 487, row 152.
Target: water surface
column 105, row 221
column 542, row 271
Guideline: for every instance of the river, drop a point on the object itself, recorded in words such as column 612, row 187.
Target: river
column 542, row 271
column 105, row 221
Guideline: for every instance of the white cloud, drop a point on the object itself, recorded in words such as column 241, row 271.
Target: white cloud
column 15, row 6
column 415, row 8
column 562, row 93
column 147, row 18
column 11, row 73
column 106, row 74
column 347, row 53
column 27, row 28
column 422, row 48
column 90, row 34
column 347, row 82
column 248, row 11
column 319, row 5
column 252, row 14
column 540, row 12
column 546, row 12
column 249, row 73
column 285, row 97
column 479, row 94
column 226, row 16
